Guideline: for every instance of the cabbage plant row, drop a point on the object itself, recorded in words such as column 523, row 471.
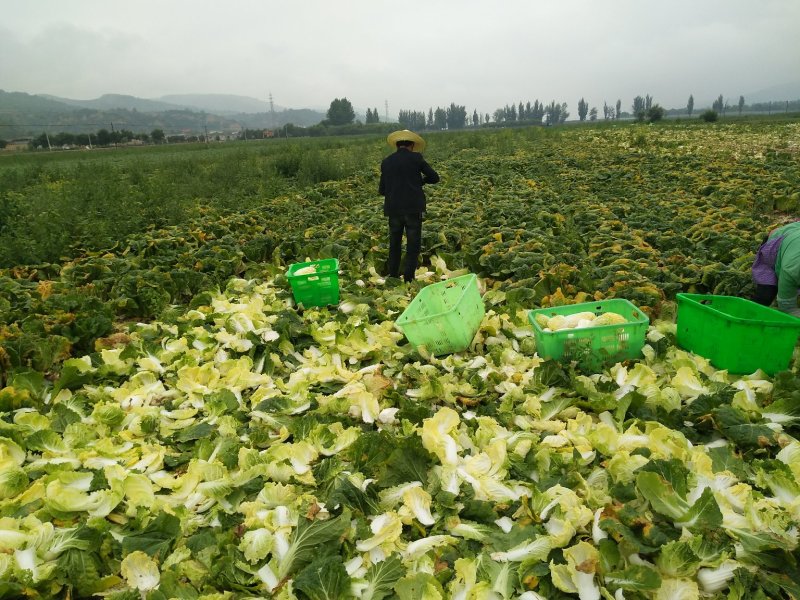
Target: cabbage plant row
column 242, row 448
column 234, row 446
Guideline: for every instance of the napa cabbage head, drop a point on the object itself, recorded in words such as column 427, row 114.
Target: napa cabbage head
column 140, row 572
column 439, row 435
column 577, row 576
column 386, row 529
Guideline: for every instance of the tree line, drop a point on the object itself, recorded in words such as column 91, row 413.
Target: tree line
column 455, row 116
column 105, row 138
column 643, row 108
column 102, row 137
column 340, row 119
column 522, row 113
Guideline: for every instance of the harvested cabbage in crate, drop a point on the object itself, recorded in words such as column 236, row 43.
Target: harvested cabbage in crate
column 579, row 320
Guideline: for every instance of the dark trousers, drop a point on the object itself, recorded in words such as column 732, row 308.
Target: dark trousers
column 412, row 225
column 765, row 294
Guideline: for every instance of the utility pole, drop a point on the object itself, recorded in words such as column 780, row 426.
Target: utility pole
column 90, row 140
column 386, row 111
column 112, row 134
column 271, row 112
column 206, row 129
column 47, row 137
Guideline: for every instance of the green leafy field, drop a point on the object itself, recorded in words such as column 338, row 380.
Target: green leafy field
column 174, row 427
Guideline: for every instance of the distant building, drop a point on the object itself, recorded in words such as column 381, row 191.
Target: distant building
column 176, row 137
column 18, row 144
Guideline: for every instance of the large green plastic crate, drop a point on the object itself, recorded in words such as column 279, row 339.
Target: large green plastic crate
column 444, row 317
column 736, row 334
column 318, row 289
column 592, row 347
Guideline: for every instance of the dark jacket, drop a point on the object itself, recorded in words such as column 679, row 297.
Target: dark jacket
column 403, row 174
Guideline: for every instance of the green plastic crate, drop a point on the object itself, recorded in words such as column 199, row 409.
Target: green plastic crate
column 736, row 334
column 444, row 317
column 592, row 347
column 318, row 289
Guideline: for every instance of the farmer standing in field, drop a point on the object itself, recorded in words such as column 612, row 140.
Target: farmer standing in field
column 776, row 269
column 403, row 173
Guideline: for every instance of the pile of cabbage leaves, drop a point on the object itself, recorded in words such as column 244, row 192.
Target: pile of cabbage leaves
column 243, row 448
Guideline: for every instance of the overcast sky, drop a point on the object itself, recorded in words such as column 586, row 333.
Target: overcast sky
column 414, row 53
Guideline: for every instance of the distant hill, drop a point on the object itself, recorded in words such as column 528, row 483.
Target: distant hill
column 302, row 117
column 220, row 104
column 24, row 115
column 20, row 101
column 778, row 93
column 253, row 113
column 116, row 101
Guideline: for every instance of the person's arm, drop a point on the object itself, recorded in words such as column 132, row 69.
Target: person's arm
column 787, row 300
column 789, row 277
column 428, row 174
column 382, row 185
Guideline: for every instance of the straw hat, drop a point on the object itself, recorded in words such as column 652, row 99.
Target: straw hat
column 406, row 135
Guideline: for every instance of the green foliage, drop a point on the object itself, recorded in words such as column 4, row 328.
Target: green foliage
column 340, row 112
column 583, row 109
column 316, row 167
column 287, row 163
column 655, row 113
column 456, row 116
column 81, row 570
column 89, row 239
column 156, row 538
column 219, row 451
column 309, row 538
column 413, row 120
column 556, row 113
column 709, row 116
column 439, row 118
column 382, row 577
column 324, row 579
column 638, row 108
